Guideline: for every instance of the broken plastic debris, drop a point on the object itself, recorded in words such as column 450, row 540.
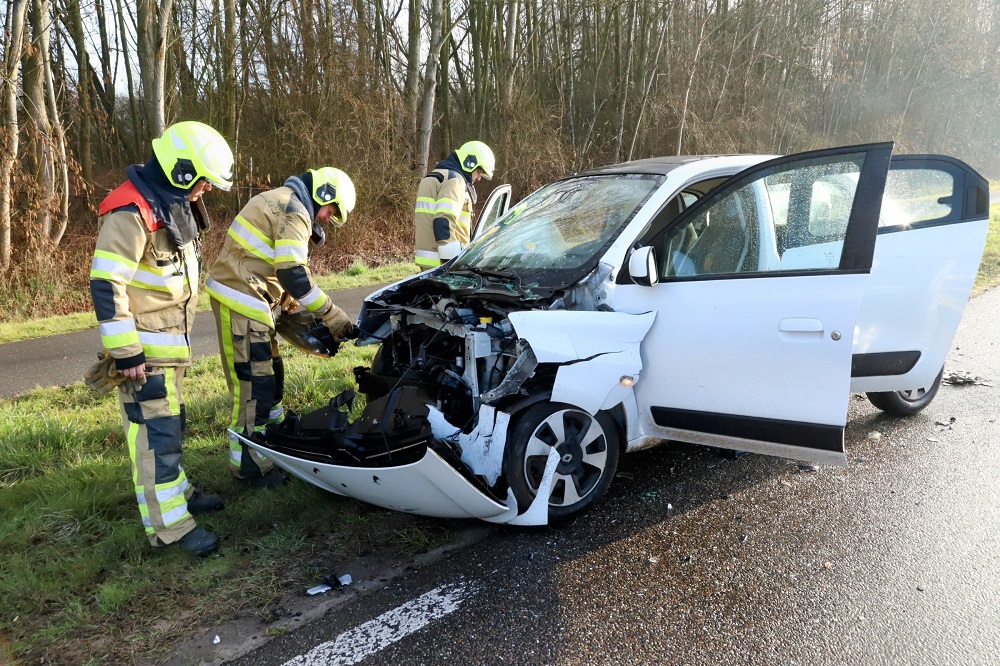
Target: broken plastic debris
column 333, row 580
column 959, row 379
column 808, row 468
column 933, row 439
column 216, row 640
column 874, row 434
column 670, row 507
column 319, row 589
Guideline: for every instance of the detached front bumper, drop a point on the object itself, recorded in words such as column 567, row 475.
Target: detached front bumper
column 392, row 461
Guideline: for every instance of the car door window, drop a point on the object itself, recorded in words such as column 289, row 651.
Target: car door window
column 787, row 218
column 913, row 196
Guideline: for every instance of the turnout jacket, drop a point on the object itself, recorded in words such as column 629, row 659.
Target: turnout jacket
column 443, row 213
column 265, row 253
column 144, row 288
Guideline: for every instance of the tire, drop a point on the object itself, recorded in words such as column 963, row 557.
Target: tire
column 589, row 446
column 905, row 403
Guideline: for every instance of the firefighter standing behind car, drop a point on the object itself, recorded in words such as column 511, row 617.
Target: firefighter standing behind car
column 144, row 285
column 443, row 213
column 262, row 266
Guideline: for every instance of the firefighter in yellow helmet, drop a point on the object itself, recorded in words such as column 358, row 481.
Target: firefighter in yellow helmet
column 443, row 214
column 144, row 285
column 262, row 267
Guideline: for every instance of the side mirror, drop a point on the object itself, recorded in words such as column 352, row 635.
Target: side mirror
column 642, row 267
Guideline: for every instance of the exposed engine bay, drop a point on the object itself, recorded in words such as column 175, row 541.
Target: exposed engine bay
column 449, row 375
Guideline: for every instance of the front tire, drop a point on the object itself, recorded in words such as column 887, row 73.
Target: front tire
column 588, row 447
column 906, row 403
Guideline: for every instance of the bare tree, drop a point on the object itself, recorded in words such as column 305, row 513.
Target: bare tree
column 13, row 45
column 153, row 29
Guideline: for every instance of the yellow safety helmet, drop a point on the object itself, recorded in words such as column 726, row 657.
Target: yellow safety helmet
column 190, row 150
column 332, row 185
column 477, row 155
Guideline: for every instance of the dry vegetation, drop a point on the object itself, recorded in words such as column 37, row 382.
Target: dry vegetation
column 554, row 87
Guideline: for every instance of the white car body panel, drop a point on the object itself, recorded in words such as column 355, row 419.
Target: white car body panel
column 561, row 336
column 733, row 357
column 915, row 298
column 595, row 384
column 429, row 487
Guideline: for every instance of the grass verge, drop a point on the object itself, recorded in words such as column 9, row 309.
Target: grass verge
column 80, row 582
column 355, row 275
column 989, row 267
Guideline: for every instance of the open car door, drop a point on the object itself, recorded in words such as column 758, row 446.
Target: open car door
column 751, row 347
column 494, row 208
column 935, row 216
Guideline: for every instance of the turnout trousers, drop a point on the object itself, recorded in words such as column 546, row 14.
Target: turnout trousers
column 255, row 374
column 154, row 428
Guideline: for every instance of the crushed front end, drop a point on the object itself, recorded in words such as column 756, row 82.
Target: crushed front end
column 431, row 437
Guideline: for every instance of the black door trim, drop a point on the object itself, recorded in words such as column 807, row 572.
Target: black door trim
column 883, row 363
column 777, row 431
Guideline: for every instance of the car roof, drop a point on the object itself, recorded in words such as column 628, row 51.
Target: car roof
column 654, row 165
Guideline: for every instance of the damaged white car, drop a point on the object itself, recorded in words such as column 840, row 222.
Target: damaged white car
column 729, row 301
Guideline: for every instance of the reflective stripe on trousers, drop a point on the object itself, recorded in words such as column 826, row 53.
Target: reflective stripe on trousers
column 249, row 355
column 154, row 429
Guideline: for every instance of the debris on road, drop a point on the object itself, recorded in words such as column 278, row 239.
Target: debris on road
column 959, row 379
column 874, row 434
column 808, row 468
column 216, row 640
column 319, row 589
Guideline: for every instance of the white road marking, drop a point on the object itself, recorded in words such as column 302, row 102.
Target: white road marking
column 365, row 640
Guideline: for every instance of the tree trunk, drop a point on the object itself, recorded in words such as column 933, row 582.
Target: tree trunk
column 43, row 164
column 444, row 81
column 60, row 186
column 430, row 76
column 15, row 33
column 412, row 93
column 510, row 44
column 152, row 29
column 74, row 23
column 229, row 67
column 137, row 123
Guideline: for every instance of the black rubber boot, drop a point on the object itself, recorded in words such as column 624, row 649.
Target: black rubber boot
column 201, row 503
column 200, row 541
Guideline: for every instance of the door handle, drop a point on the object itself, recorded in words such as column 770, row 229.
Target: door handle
column 800, row 325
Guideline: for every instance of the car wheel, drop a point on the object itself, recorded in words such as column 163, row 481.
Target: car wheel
column 904, row 403
column 588, row 447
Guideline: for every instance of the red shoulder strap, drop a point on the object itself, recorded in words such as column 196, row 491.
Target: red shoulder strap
column 127, row 194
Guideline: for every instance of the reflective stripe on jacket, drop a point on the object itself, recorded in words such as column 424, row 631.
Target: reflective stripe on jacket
column 271, row 233
column 443, row 193
column 144, row 289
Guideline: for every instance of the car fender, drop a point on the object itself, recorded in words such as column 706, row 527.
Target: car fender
column 563, row 336
column 596, row 384
column 596, row 349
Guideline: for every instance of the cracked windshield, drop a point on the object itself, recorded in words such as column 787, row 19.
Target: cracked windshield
column 562, row 226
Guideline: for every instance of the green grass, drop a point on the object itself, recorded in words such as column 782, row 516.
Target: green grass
column 79, row 581
column 989, row 268
column 355, row 275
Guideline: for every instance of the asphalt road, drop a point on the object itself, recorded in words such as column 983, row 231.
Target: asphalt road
column 63, row 359
column 695, row 559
